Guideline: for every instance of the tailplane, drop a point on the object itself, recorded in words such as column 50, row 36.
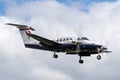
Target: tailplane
column 25, row 31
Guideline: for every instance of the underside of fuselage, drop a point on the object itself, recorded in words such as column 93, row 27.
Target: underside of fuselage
column 85, row 49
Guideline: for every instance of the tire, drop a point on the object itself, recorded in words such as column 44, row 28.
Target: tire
column 98, row 57
column 55, row 56
column 81, row 61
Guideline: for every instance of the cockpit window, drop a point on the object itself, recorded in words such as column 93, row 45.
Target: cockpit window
column 84, row 38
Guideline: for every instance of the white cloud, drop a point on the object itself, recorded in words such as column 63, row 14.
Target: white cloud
column 52, row 19
column 17, row 62
column 49, row 74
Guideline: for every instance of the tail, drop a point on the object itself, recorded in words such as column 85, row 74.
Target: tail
column 24, row 31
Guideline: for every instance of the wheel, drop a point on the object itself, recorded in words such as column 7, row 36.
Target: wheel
column 81, row 61
column 55, row 56
column 98, row 57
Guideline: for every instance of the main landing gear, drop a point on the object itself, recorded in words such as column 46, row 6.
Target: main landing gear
column 81, row 61
column 55, row 55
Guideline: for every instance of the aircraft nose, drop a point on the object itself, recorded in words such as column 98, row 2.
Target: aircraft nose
column 102, row 47
column 99, row 46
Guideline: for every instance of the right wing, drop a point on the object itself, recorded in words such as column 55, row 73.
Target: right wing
column 44, row 41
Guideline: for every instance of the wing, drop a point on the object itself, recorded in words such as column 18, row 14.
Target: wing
column 44, row 41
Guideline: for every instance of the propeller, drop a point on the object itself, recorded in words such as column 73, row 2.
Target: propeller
column 103, row 49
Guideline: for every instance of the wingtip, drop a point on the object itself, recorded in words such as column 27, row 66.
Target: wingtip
column 7, row 23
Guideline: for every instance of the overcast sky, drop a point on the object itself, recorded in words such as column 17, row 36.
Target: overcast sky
column 98, row 20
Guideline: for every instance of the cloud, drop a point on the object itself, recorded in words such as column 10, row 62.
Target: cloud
column 52, row 19
column 17, row 62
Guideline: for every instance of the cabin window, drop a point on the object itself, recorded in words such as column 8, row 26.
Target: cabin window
column 70, row 38
column 63, row 39
column 67, row 39
column 60, row 40
column 78, row 39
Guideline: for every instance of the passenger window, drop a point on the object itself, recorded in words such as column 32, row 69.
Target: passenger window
column 63, row 39
column 67, row 39
column 78, row 39
column 60, row 40
column 70, row 38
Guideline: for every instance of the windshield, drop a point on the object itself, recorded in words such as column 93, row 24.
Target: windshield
column 84, row 38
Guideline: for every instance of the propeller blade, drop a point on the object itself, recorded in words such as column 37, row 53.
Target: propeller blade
column 107, row 51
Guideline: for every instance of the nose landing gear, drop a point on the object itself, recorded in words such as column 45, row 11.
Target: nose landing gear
column 98, row 57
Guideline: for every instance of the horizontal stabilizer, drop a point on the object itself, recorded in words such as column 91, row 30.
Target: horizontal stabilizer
column 21, row 27
column 24, row 31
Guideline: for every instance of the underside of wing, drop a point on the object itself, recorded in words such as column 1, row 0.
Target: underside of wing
column 44, row 41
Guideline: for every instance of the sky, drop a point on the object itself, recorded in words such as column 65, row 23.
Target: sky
column 5, row 3
column 96, row 19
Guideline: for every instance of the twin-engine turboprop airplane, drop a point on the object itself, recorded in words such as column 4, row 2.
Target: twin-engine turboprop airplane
column 81, row 46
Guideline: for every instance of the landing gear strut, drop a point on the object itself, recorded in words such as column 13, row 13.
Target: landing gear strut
column 98, row 57
column 81, row 61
